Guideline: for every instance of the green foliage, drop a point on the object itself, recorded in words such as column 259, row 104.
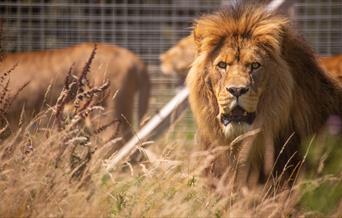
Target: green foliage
column 322, row 198
column 324, row 161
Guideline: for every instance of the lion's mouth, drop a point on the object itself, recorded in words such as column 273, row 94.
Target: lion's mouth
column 238, row 115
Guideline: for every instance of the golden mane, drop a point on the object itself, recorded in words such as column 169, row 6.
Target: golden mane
column 294, row 98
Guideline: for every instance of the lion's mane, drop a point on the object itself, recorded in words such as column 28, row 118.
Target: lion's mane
column 296, row 103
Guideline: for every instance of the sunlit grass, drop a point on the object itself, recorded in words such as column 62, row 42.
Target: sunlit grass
column 170, row 184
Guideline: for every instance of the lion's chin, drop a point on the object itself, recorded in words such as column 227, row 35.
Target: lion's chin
column 237, row 116
column 233, row 130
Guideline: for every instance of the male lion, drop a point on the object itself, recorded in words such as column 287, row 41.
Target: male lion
column 125, row 71
column 255, row 79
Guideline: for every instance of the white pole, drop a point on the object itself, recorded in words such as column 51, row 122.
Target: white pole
column 175, row 107
column 275, row 4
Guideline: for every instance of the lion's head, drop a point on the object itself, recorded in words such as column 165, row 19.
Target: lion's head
column 177, row 60
column 238, row 57
column 238, row 75
column 252, row 72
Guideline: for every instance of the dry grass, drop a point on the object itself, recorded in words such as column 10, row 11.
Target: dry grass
column 45, row 172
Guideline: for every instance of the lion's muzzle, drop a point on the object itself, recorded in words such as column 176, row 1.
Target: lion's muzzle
column 238, row 115
column 237, row 91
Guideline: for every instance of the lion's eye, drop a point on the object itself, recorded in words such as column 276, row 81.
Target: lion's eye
column 255, row 65
column 222, row 65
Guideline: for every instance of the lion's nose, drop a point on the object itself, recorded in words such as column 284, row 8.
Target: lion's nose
column 237, row 91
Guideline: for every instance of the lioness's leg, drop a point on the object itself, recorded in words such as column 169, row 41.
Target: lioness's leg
column 123, row 106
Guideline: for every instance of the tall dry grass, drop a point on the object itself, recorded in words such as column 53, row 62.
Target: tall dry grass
column 47, row 172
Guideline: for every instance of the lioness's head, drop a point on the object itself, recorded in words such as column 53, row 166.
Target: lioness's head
column 237, row 56
column 177, row 59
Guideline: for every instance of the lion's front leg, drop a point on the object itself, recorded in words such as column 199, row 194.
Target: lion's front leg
column 255, row 160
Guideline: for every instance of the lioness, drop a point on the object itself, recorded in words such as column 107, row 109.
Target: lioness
column 125, row 71
column 177, row 59
column 333, row 65
column 256, row 88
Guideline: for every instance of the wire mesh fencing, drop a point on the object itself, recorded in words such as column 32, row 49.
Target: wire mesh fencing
column 321, row 24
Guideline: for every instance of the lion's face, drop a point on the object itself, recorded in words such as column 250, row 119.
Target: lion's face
column 237, row 78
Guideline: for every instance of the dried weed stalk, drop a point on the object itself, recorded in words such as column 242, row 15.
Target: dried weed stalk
column 82, row 94
column 6, row 99
column 2, row 53
column 78, row 94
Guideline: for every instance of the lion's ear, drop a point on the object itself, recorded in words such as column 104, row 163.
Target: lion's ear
column 271, row 35
column 197, row 37
column 207, row 35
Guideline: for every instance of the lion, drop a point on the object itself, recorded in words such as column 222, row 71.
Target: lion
column 176, row 61
column 256, row 90
column 124, row 69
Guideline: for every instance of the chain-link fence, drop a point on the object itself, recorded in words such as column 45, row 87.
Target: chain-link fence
column 320, row 21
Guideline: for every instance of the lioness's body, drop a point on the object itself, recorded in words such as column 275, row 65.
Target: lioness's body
column 254, row 76
column 125, row 71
